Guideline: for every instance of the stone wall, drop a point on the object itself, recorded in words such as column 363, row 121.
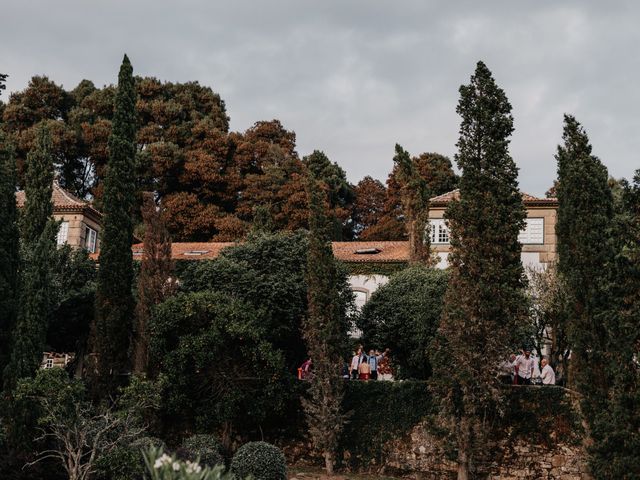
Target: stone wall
column 420, row 456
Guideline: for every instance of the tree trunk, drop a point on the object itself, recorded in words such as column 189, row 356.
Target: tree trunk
column 328, row 462
column 464, row 449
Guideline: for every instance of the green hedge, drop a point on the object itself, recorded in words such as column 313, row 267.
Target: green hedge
column 381, row 411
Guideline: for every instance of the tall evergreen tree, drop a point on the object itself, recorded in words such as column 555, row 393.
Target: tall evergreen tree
column 585, row 255
column 38, row 243
column 598, row 255
column 324, row 332
column 414, row 193
column 154, row 280
column 114, row 300
column 485, row 299
column 9, row 248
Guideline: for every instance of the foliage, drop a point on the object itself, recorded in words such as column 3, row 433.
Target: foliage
column 414, row 195
column 485, row 301
column 403, row 315
column 9, row 249
column 76, row 433
column 154, row 280
column 325, row 332
column 220, row 370
column 268, row 271
column 203, row 448
column 74, row 285
column 259, row 460
column 3, row 79
column 398, row 407
column 38, row 232
column 370, row 195
column 126, row 462
column 374, row 268
column 114, row 302
column 160, row 466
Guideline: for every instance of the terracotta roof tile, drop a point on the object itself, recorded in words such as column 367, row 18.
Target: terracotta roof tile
column 529, row 200
column 345, row 251
column 63, row 201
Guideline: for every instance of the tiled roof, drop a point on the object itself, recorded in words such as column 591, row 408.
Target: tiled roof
column 529, row 200
column 189, row 250
column 345, row 251
column 371, row 251
column 63, row 201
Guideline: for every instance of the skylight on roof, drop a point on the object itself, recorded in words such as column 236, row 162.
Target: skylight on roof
column 368, row 251
column 195, row 253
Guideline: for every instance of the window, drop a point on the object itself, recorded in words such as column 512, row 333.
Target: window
column 90, row 239
column 533, row 232
column 63, row 233
column 439, row 231
column 48, row 363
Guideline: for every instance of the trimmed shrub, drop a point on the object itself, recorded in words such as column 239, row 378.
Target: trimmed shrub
column 126, row 462
column 261, row 460
column 205, row 447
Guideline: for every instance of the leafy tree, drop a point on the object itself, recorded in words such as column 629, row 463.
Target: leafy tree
column 370, row 195
column 220, row 370
column 9, row 249
column 414, row 194
column 324, row 331
column 485, row 300
column 38, row 245
column 339, row 192
column 154, row 280
column 404, row 315
column 436, row 170
column 585, row 254
column 73, row 300
column 114, row 301
column 268, row 271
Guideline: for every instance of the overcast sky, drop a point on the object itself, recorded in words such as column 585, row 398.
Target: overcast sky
column 351, row 77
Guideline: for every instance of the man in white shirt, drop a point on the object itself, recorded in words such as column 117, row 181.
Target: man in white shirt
column 548, row 375
column 525, row 366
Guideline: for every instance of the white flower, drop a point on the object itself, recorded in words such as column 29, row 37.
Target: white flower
column 193, row 467
column 162, row 461
column 176, row 466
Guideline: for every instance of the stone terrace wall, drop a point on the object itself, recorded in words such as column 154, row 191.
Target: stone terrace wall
column 420, row 456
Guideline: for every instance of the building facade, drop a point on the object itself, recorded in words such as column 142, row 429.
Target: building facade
column 80, row 223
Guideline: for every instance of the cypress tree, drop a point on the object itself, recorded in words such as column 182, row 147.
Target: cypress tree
column 324, row 332
column 485, row 299
column 9, row 249
column 585, row 255
column 38, row 247
column 414, row 193
column 154, row 280
column 114, row 299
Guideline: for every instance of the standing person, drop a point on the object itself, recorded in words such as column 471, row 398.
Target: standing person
column 357, row 359
column 525, row 366
column 548, row 375
column 364, row 371
column 374, row 359
column 305, row 370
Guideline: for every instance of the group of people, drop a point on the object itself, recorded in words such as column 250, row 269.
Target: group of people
column 372, row 366
column 523, row 369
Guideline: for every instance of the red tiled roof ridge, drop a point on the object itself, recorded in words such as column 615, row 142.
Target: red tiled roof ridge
column 63, row 201
column 455, row 194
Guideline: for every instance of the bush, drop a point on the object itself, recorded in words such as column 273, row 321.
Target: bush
column 404, row 315
column 126, row 462
column 260, row 460
column 205, row 448
column 160, row 466
column 381, row 411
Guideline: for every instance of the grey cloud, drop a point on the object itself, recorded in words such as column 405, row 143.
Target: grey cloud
column 355, row 77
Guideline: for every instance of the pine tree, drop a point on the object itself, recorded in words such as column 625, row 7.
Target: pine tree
column 114, row 300
column 598, row 255
column 485, row 299
column 9, row 249
column 324, row 332
column 38, row 246
column 154, row 279
column 585, row 255
column 414, row 193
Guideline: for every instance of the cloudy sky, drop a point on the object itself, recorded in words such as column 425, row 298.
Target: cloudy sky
column 353, row 77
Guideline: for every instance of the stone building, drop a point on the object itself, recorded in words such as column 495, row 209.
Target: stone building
column 80, row 223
